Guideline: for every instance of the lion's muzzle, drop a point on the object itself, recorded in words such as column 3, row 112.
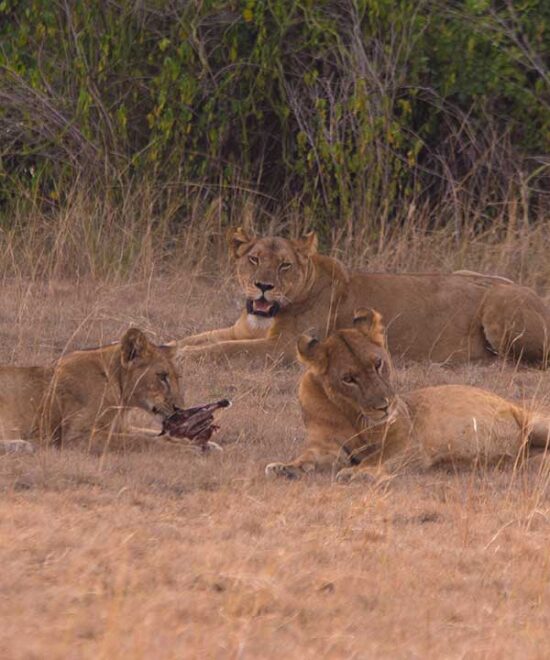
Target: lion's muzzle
column 262, row 307
column 382, row 415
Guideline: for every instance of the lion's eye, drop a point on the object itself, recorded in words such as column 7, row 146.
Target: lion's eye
column 378, row 364
column 253, row 260
column 163, row 377
column 348, row 379
column 285, row 266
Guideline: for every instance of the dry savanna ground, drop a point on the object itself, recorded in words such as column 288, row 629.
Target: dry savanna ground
column 167, row 553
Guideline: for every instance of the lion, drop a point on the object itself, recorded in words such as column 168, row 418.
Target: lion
column 357, row 424
column 83, row 397
column 291, row 289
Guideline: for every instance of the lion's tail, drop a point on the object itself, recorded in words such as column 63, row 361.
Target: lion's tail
column 483, row 277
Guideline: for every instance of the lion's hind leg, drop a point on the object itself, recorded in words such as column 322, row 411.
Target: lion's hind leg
column 538, row 433
column 516, row 322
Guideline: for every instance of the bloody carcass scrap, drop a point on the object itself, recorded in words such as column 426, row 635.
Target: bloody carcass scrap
column 195, row 424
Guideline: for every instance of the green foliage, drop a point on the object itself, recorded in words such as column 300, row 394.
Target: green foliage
column 341, row 109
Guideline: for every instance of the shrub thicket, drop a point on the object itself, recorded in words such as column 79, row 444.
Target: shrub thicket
column 356, row 110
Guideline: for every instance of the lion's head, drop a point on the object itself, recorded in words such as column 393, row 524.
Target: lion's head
column 354, row 367
column 273, row 272
column 148, row 376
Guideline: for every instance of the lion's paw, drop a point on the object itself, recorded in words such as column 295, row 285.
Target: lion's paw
column 17, row 447
column 353, row 475
column 213, row 446
column 281, row 470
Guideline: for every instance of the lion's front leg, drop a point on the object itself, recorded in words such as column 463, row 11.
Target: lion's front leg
column 379, row 468
column 254, row 347
column 241, row 330
column 293, row 470
column 134, row 440
column 313, row 459
column 361, row 473
column 206, row 338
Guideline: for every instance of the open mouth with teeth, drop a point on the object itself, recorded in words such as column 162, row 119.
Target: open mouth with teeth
column 262, row 307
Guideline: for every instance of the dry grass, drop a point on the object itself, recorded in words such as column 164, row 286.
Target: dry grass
column 170, row 554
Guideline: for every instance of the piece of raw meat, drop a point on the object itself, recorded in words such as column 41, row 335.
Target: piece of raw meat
column 195, row 424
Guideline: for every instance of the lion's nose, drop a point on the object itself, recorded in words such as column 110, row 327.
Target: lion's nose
column 263, row 286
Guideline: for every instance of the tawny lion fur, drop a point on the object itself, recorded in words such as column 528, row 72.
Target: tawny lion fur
column 291, row 289
column 357, row 424
column 84, row 396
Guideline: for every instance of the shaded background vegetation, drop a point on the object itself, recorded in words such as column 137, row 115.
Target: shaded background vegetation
column 351, row 116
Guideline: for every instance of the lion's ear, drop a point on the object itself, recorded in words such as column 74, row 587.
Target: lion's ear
column 307, row 245
column 311, row 352
column 369, row 322
column 134, row 346
column 238, row 240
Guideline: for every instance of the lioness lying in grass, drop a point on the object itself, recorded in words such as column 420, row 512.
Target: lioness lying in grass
column 83, row 397
column 356, row 422
column 291, row 289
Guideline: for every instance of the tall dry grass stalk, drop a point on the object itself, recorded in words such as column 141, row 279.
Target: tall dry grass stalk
column 131, row 233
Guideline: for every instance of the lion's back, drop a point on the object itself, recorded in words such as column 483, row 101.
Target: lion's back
column 462, row 422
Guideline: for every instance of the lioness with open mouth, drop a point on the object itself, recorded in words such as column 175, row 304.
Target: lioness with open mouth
column 291, row 289
column 356, row 423
column 83, row 397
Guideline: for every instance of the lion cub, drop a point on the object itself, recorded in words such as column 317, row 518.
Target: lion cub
column 82, row 397
column 356, row 422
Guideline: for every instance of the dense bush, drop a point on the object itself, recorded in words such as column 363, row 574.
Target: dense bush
column 357, row 110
